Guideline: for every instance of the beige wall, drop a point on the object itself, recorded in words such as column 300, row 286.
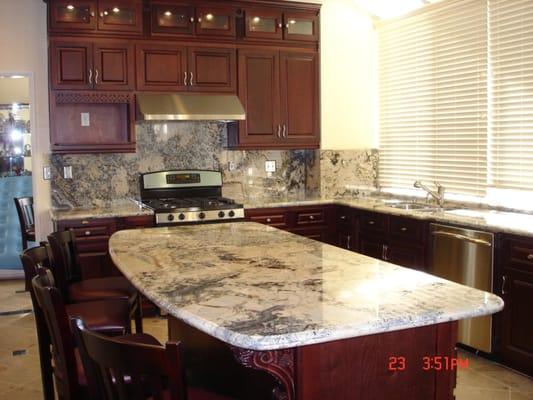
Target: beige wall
column 14, row 91
column 23, row 51
column 349, row 77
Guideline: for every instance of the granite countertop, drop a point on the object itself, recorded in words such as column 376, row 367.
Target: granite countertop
column 491, row 220
column 121, row 208
column 256, row 287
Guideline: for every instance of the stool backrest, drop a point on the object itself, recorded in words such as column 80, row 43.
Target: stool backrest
column 53, row 309
column 65, row 268
column 151, row 370
column 24, row 206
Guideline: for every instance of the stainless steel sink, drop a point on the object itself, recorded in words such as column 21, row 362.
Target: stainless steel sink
column 413, row 206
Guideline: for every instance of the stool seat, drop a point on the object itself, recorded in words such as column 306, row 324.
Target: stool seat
column 109, row 317
column 99, row 289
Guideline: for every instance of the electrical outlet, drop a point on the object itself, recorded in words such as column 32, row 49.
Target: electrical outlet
column 85, row 119
column 270, row 166
column 231, row 166
column 67, row 172
column 47, row 173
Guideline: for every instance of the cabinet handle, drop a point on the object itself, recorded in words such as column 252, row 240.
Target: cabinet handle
column 287, row 26
column 191, row 82
column 87, row 233
column 199, row 19
column 84, row 222
column 185, row 78
column 403, row 229
column 343, row 217
column 280, row 25
column 192, row 19
column 504, row 281
column 91, row 14
column 385, row 251
column 530, row 257
column 269, row 220
column 96, row 77
column 279, row 132
column 90, row 77
column 284, row 134
column 371, row 222
column 348, row 239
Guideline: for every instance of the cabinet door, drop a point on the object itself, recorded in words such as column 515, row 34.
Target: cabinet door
column 215, row 21
column 263, row 23
column 120, row 16
column 72, row 15
column 301, row 26
column 161, row 67
column 299, row 98
column 259, row 94
column 71, row 65
column 372, row 247
column 212, row 70
column 517, row 323
column 172, row 19
column 113, row 66
column 406, row 256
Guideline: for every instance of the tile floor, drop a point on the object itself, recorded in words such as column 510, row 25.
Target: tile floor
column 20, row 377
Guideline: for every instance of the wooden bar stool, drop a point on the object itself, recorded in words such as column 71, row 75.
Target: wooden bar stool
column 155, row 371
column 74, row 289
column 24, row 206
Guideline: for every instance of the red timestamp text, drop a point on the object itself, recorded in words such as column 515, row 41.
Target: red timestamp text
column 429, row 363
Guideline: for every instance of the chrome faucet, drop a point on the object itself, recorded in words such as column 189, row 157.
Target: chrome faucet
column 438, row 194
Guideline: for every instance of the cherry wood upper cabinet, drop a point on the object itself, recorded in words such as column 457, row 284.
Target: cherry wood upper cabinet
column 212, row 70
column 120, row 16
column 301, row 26
column 70, row 65
column 172, row 19
column 259, row 93
column 300, row 97
column 161, row 67
column 197, row 69
column 83, row 65
column 215, row 21
column 90, row 16
column 79, row 15
column 263, row 23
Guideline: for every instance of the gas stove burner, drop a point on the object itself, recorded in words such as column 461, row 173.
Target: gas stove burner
column 188, row 197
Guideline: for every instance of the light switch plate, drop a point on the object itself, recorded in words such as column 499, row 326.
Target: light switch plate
column 47, row 173
column 67, row 172
column 270, row 166
column 85, row 119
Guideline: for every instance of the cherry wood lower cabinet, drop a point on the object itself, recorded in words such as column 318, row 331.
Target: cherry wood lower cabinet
column 366, row 367
column 515, row 286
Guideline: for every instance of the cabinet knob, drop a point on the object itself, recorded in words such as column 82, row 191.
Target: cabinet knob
column 343, row 217
column 269, row 219
column 287, row 26
column 87, row 233
column 530, row 257
column 192, row 19
column 311, row 217
column 199, row 19
column 371, row 222
column 84, row 222
column 280, row 25
column 403, row 229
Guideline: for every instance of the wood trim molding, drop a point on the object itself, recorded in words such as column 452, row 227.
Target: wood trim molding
column 73, row 97
column 278, row 363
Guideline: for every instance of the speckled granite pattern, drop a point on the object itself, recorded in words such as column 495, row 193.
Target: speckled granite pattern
column 102, row 178
column 355, row 168
column 260, row 288
column 126, row 208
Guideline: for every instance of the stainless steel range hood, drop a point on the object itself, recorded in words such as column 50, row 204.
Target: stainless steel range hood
column 189, row 107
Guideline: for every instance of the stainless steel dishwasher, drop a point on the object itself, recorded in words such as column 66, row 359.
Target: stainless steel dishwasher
column 465, row 256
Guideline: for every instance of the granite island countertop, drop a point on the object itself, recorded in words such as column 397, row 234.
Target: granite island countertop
column 260, row 288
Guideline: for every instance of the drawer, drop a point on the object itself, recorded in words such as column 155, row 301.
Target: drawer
column 406, row 229
column 94, row 244
column 519, row 255
column 311, row 233
column 344, row 216
column 274, row 218
column 91, row 231
column 373, row 222
column 137, row 222
column 89, row 227
column 315, row 216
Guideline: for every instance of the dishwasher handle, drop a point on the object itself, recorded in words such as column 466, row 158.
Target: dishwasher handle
column 462, row 237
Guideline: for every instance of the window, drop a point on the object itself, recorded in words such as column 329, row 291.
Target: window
column 433, row 98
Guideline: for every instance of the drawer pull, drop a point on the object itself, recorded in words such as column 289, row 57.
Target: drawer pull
column 87, row 233
column 84, row 222
column 371, row 222
column 343, row 217
column 530, row 257
column 403, row 229
column 269, row 219
column 504, row 281
column 311, row 217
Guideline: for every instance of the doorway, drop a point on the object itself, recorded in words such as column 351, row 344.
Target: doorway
column 15, row 167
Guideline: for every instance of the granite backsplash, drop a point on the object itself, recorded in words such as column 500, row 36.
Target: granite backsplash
column 101, row 178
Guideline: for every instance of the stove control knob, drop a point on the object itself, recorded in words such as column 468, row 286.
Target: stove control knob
column 170, row 217
column 231, row 213
column 221, row 214
column 201, row 215
column 181, row 216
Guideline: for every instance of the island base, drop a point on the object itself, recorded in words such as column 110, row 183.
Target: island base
column 415, row 364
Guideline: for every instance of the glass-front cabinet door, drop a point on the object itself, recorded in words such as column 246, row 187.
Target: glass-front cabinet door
column 264, row 24
column 76, row 14
column 300, row 26
column 172, row 19
column 215, row 21
column 120, row 15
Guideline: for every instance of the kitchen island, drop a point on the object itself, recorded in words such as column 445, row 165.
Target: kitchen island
column 324, row 322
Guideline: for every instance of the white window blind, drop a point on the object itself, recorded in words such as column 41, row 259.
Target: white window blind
column 511, row 51
column 433, row 98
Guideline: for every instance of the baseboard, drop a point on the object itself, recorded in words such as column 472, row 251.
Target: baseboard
column 11, row 274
